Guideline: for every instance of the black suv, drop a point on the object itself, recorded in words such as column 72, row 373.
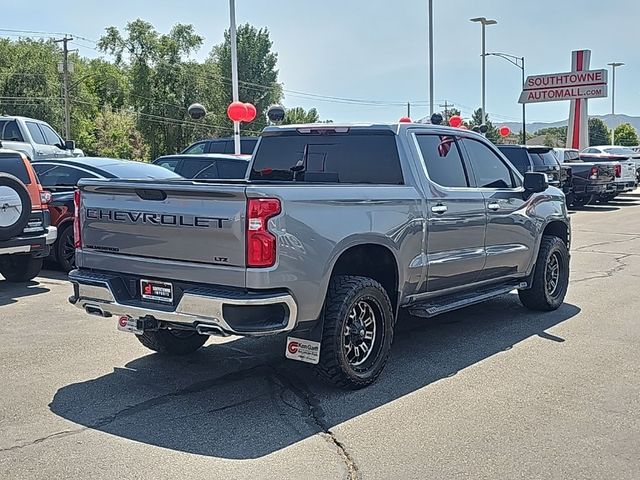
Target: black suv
column 222, row 145
column 536, row 158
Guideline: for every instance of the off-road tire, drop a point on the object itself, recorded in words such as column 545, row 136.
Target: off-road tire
column 9, row 182
column 20, row 268
column 538, row 296
column 342, row 296
column 172, row 342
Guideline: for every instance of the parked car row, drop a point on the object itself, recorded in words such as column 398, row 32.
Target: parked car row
column 597, row 174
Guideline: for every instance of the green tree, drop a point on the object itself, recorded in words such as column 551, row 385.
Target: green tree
column 257, row 74
column 300, row 115
column 626, row 135
column 476, row 120
column 599, row 133
column 30, row 84
column 161, row 86
column 553, row 136
column 116, row 135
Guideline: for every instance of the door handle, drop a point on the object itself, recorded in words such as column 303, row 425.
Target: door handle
column 494, row 206
column 439, row 208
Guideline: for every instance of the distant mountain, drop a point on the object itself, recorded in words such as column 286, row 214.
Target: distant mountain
column 610, row 120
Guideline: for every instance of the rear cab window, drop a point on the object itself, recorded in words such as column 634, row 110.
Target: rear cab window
column 443, row 161
column 328, row 155
column 36, row 133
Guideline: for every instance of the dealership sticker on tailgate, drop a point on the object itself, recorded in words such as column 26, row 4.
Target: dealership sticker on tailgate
column 157, row 291
column 303, row 350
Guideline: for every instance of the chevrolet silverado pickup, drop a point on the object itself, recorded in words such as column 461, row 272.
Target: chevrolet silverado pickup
column 334, row 229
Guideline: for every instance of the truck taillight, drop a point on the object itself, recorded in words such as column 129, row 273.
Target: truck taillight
column 593, row 175
column 77, row 240
column 618, row 171
column 261, row 243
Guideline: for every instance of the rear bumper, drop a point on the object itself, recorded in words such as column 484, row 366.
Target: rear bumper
column 36, row 244
column 624, row 186
column 208, row 310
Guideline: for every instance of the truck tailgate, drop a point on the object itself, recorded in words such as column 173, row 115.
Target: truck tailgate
column 177, row 221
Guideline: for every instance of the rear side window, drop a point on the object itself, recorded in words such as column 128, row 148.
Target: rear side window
column 220, row 146
column 35, row 132
column 488, row 168
column 357, row 157
column 571, row 156
column 59, row 176
column 197, row 148
column 543, row 158
column 10, row 132
column 209, row 173
column 14, row 165
column 518, row 158
column 191, row 167
column 169, row 164
column 442, row 158
column 231, row 169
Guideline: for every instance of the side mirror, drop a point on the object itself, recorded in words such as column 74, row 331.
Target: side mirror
column 69, row 145
column 535, row 182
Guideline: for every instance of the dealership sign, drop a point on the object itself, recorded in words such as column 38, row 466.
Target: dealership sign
column 564, row 86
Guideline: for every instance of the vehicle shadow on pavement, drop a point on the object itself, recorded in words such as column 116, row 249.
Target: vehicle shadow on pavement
column 242, row 400
column 11, row 292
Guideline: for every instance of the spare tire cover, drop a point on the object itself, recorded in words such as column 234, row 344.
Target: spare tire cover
column 15, row 206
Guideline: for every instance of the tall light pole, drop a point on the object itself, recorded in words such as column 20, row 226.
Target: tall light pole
column 613, row 66
column 518, row 62
column 234, row 71
column 484, row 21
column 431, row 106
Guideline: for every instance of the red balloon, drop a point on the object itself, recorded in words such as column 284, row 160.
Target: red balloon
column 455, row 121
column 237, row 111
column 405, row 120
column 504, row 131
column 251, row 112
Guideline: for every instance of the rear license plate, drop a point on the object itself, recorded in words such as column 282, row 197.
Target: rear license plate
column 156, row 291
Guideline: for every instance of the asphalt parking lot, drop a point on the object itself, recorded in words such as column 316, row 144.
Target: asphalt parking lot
column 492, row 391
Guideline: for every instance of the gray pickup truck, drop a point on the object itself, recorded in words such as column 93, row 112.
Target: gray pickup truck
column 334, row 230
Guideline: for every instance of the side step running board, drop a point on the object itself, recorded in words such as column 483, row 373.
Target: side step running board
column 454, row 302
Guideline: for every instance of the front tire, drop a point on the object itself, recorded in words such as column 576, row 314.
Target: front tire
column 172, row 342
column 550, row 278
column 358, row 332
column 20, row 268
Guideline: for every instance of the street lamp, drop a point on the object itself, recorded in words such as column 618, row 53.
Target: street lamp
column 518, row 62
column 613, row 66
column 484, row 23
column 431, row 106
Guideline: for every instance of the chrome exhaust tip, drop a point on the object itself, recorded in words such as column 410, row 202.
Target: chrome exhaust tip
column 211, row 330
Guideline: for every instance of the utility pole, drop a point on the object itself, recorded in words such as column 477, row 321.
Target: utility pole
column 409, row 109
column 446, row 107
column 65, row 80
column 234, row 71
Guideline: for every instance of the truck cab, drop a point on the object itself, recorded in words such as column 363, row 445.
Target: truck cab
column 35, row 138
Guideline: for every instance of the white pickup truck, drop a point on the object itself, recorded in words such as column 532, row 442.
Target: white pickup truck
column 35, row 138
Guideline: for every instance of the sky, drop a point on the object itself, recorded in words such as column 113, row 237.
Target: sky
column 376, row 51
